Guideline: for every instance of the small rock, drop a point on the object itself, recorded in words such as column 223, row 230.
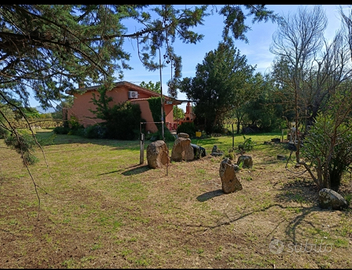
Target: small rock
column 292, row 147
column 246, row 160
column 216, row 152
column 281, row 157
column 199, row 151
column 182, row 135
column 330, row 199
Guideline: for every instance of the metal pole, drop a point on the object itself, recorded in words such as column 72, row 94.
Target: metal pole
column 161, row 99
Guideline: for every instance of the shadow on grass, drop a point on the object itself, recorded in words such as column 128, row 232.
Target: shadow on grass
column 299, row 190
column 290, row 225
column 136, row 169
column 109, row 172
column 209, row 195
column 48, row 137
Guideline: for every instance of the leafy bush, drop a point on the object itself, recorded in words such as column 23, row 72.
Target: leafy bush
column 124, row 122
column 71, row 127
column 187, row 127
column 120, row 120
column 77, row 131
column 158, row 136
column 247, row 145
column 329, row 149
column 95, row 132
column 73, row 123
column 231, row 154
column 155, row 109
column 61, row 130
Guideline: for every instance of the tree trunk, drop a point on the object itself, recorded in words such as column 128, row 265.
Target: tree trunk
column 238, row 127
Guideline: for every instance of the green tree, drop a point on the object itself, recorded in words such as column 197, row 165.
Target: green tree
column 120, row 120
column 265, row 110
column 247, row 94
column 217, row 88
column 61, row 108
column 151, row 86
column 178, row 113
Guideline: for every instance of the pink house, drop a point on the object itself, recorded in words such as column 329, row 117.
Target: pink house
column 122, row 92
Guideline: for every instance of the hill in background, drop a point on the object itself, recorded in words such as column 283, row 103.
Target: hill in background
column 41, row 110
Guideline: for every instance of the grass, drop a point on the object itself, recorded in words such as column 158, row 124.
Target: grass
column 100, row 208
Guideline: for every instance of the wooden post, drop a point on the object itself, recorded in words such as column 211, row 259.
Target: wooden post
column 233, row 137
column 141, row 144
column 167, row 164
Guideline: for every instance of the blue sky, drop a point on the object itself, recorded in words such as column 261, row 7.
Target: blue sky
column 256, row 51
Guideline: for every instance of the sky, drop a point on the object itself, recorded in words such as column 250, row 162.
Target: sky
column 256, row 50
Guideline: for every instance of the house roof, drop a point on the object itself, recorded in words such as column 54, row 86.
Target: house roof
column 168, row 99
column 131, row 86
column 117, row 84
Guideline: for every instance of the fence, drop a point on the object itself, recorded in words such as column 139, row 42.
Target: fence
column 37, row 123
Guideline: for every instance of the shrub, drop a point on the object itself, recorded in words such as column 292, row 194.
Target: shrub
column 120, row 120
column 187, row 127
column 158, row 136
column 61, row 130
column 231, row 155
column 155, row 109
column 77, row 131
column 123, row 123
column 95, row 132
column 328, row 148
column 247, row 145
column 71, row 127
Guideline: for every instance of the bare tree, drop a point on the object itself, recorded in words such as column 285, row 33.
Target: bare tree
column 296, row 42
column 347, row 23
column 313, row 72
column 326, row 73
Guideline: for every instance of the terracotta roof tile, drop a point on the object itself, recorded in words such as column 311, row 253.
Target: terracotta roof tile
column 132, row 86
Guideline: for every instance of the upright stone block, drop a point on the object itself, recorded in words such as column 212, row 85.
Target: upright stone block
column 182, row 149
column 157, row 154
column 229, row 180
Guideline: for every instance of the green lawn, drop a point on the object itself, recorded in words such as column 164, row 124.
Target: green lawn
column 100, row 208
